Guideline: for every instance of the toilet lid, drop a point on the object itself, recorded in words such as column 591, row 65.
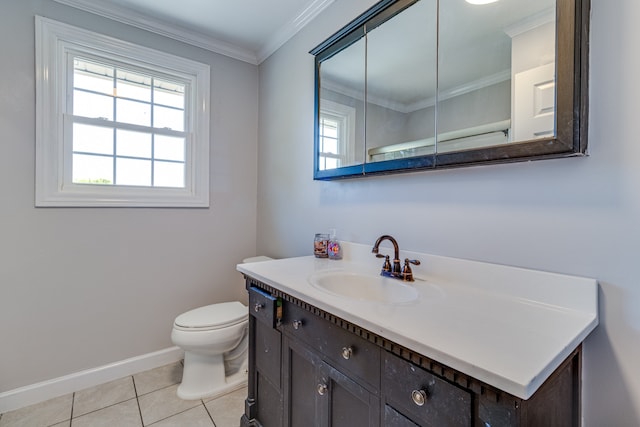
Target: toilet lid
column 213, row 316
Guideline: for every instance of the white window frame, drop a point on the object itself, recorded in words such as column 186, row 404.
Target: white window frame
column 55, row 41
column 346, row 117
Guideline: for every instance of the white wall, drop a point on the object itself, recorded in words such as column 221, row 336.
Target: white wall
column 578, row 216
column 81, row 288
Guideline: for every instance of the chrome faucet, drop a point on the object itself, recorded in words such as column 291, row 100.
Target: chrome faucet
column 395, row 271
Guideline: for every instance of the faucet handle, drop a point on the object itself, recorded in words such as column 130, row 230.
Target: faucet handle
column 407, row 274
column 386, row 266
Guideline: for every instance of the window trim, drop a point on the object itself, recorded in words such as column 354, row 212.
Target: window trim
column 54, row 42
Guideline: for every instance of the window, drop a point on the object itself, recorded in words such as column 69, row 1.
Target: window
column 336, row 135
column 118, row 124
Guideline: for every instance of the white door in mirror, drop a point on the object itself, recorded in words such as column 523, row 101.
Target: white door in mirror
column 534, row 103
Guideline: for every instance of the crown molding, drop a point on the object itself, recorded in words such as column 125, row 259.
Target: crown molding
column 529, row 23
column 292, row 27
column 195, row 38
column 138, row 20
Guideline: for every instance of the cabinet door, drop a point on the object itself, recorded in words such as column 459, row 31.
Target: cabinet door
column 264, row 397
column 318, row 395
column 345, row 403
column 267, row 375
column 301, row 375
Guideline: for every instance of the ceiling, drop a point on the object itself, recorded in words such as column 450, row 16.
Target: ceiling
column 249, row 30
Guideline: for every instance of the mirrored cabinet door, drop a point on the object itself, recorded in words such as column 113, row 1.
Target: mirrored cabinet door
column 341, row 112
column 401, row 84
column 496, row 73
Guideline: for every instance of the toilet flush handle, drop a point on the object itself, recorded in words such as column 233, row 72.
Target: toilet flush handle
column 257, row 307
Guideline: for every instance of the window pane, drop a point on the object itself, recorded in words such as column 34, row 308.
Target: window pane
column 169, row 148
column 92, row 76
column 134, row 144
column 168, row 118
column 331, row 163
column 92, row 105
column 88, row 169
column 133, row 172
column 330, row 129
column 168, row 174
column 330, row 145
column 133, row 85
column 92, row 139
column 167, row 93
column 137, row 113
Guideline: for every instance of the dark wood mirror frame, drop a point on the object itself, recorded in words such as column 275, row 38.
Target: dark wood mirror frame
column 572, row 66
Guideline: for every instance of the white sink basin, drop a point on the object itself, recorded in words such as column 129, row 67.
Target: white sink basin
column 364, row 287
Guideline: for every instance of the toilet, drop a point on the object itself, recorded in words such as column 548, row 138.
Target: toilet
column 215, row 343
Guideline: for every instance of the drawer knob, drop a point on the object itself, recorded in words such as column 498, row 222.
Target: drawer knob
column 257, row 307
column 297, row 324
column 347, row 352
column 419, row 397
column 322, row 389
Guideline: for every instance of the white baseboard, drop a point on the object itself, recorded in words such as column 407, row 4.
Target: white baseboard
column 45, row 390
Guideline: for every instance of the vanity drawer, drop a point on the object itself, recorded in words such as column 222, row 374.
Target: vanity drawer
column 340, row 348
column 405, row 384
column 262, row 306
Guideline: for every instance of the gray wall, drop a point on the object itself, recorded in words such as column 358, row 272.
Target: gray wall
column 577, row 216
column 80, row 288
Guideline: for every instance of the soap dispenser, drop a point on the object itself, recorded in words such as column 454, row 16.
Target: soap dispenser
column 333, row 248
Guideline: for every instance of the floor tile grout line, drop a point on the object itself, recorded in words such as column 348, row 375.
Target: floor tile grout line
column 108, row 406
column 153, row 391
column 135, row 391
column 173, row 415
column 73, row 402
column 209, row 413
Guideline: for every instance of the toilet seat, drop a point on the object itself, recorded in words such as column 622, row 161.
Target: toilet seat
column 211, row 317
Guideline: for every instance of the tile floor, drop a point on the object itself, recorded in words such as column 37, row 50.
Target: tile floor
column 144, row 399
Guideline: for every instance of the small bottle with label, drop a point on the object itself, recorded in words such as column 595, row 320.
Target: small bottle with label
column 320, row 245
column 333, row 247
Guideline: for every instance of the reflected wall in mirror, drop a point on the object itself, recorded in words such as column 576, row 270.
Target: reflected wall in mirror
column 433, row 84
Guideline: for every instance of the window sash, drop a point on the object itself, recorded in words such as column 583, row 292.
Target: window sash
column 55, row 43
column 70, row 120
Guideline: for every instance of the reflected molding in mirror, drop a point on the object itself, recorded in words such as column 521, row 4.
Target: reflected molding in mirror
column 422, row 84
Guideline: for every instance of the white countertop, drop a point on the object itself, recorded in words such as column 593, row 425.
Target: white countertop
column 506, row 326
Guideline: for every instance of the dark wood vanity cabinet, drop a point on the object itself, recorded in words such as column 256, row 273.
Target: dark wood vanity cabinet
column 310, row 368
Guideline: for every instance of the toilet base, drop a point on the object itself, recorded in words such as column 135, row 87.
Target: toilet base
column 203, row 376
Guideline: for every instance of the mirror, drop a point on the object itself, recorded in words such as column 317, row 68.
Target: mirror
column 341, row 119
column 424, row 84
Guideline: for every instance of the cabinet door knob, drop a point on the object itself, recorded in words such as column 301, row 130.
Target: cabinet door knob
column 419, row 397
column 257, row 307
column 347, row 352
column 297, row 324
column 322, row 389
